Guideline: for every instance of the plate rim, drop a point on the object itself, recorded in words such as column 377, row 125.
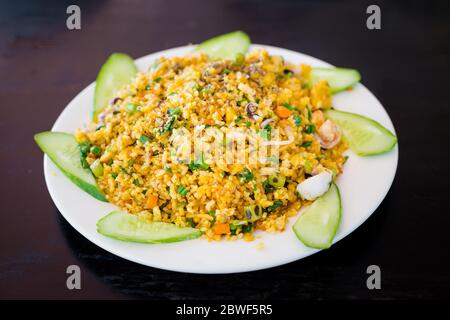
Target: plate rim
column 262, row 266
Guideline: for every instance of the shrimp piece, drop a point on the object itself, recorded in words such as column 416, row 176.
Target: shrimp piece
column 317, row 118
column 328, row 135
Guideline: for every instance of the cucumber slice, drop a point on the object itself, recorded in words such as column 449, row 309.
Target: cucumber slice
column 365, row 136
column 63, row 150
column 339, row 79
column 225, row 46
column 319, row 222
column 117, row 71
column 127, row 227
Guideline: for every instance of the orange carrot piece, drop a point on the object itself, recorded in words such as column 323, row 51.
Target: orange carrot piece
column 152, row 201
column 208, row 121
column 221, row 228
column 282, row 112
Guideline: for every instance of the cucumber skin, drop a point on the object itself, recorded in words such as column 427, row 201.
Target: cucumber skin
column 382, row 128
column 103, row 73
column 87, row 187
column 149, row 241
column 340, row 89
column 311, row 245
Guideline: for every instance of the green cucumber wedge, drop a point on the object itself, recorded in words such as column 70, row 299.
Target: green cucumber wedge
column 127, row 227
column 226, row 46
column 365, row 136
column 339, row 79
column 63, row 150
column 319, row 222
column 117, row 71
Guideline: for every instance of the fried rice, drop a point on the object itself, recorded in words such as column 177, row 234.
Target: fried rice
column 256, row 92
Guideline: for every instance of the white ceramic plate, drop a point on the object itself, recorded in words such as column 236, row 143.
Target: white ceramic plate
column 363, row 185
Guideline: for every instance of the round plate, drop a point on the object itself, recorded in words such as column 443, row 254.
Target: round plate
column 363, row 186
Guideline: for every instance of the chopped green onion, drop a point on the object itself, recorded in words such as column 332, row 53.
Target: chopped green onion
column 248, row 124
column 182, row 190
column 247, row 175
column 157, row 80
column 174, row 111
column 238, row 119
column 199, row 164
column 114, row 175
column 247, row 227
column 168, row 169
column 241, row 101
column 289, row 106
column 212, row 213
column 267, row 187
column 226, row 71
column 144, row 139
column 83, row 162
column 297, row 120
column 147, row 87
column 252, row 213
column 310, row 128
column 96, row 150
column 306, row 144
column 276, row 181
column 276, row 204
column 190, row 222
column 168, row 126
column 288, row 73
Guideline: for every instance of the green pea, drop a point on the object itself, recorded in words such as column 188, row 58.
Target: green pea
column 96, row 150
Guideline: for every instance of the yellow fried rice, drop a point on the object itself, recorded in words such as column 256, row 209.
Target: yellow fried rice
column 134, row 133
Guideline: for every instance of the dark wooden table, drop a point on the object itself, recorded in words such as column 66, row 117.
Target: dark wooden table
column 406, row 64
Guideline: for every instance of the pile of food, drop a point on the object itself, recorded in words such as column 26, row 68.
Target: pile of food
column 131, row 142
column 129, row 146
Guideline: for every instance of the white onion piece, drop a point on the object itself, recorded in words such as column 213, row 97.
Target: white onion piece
column 315, row 186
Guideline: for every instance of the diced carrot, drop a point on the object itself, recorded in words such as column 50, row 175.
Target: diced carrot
column 208, row 121
column 282, row 112
column 152, row 201
column 221, row 228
